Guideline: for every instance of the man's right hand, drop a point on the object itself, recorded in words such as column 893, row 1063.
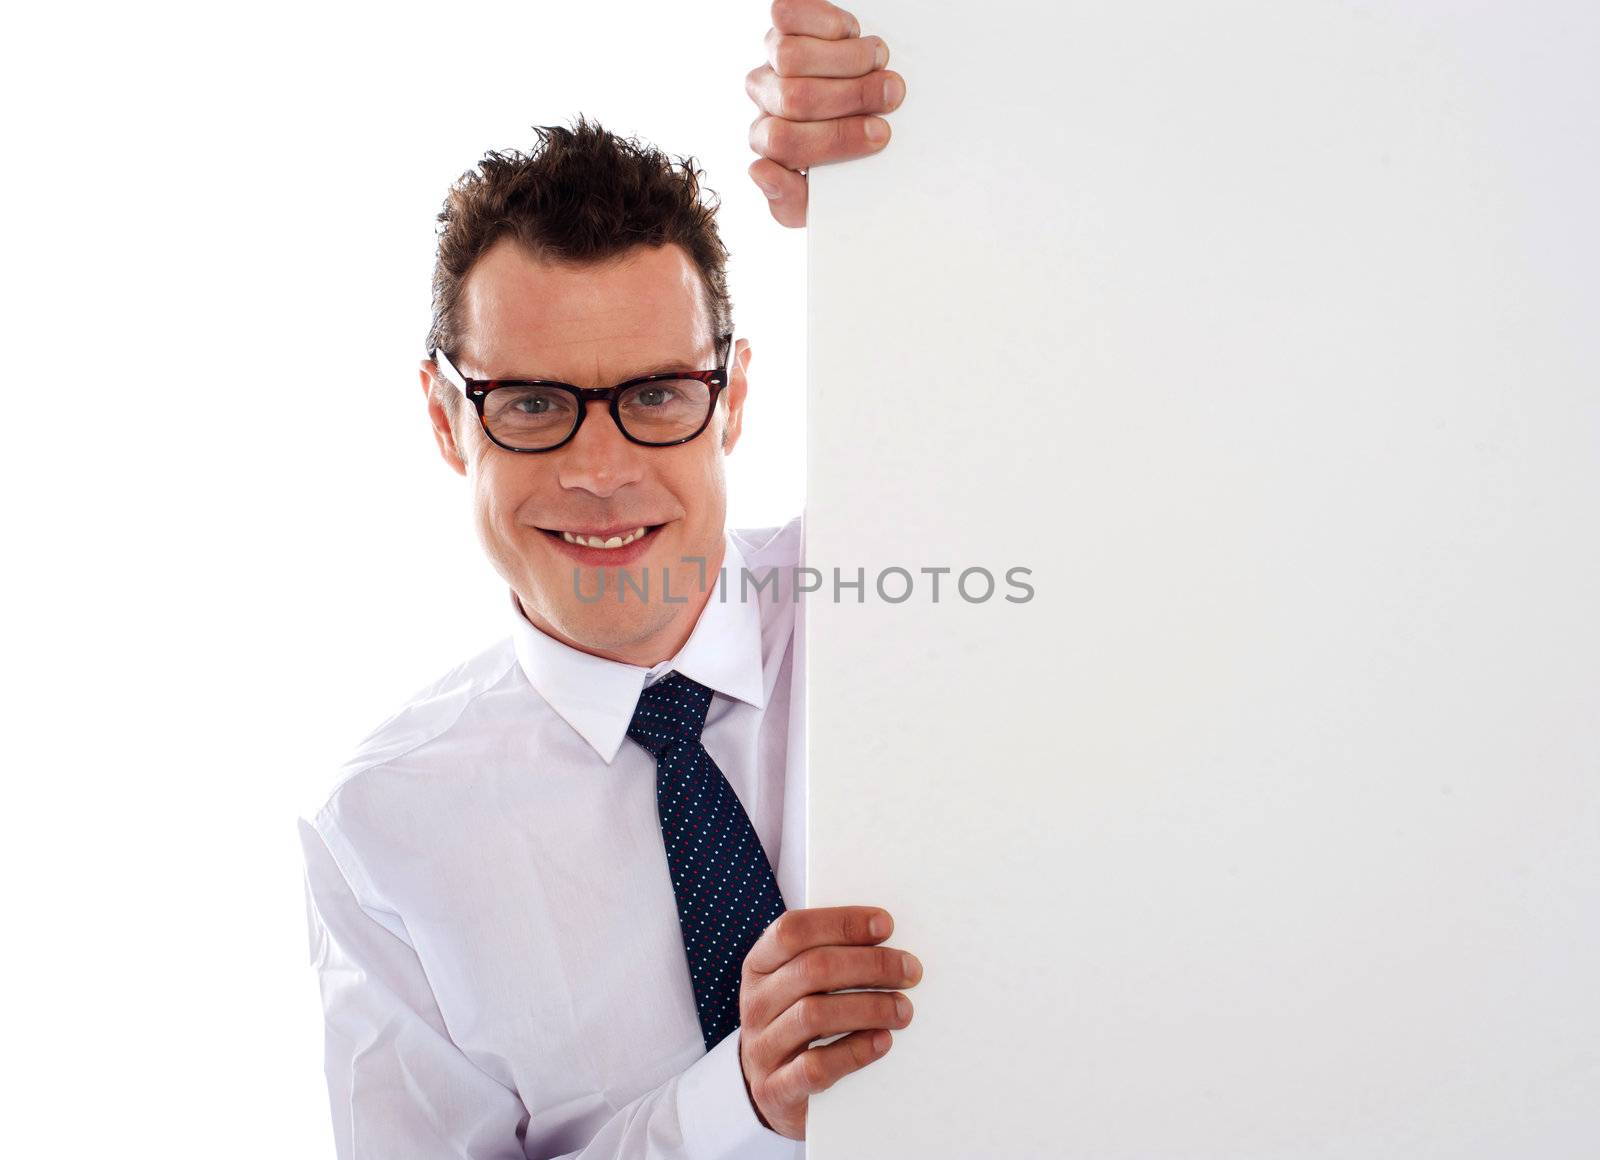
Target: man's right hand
column 785, row 1003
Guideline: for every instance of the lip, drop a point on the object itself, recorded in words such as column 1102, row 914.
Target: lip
column 603, row 533
column 604, row 557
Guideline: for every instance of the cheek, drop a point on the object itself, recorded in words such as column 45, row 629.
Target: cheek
column 701, row 486
column 499, row 496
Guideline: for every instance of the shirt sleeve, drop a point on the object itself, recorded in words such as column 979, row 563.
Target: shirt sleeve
column 703, row 1113
column 398, row 1085
column 400, row 1088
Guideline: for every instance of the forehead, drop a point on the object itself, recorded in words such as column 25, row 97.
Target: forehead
column 531, row 317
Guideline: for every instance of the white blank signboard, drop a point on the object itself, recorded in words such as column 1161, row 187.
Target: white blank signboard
column 1266, row 821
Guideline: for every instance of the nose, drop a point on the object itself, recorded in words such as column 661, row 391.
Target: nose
column 599, row 459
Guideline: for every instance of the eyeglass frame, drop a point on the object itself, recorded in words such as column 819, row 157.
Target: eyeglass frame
column 478, row 390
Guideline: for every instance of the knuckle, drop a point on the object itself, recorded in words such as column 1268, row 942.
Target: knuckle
column 854, row 927
column 811, row 969
column 891, row 964
column 808, row 1013
column 843, row 135
column 751, row 1017
column 752, row 83
column 760, row 141
column 785, row 55
column 830, row 967
column 861, row 1050
column 799, row 97
column 813, row 1071
column 782, row 13
column 786, row 927
column 752, row 1001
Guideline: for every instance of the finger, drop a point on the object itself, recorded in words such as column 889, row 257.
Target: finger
column 802, row 144
column 819, row 1068
column 816, row 1017
column 799, row 930
column 828, row 968
column 808, row 56
column 786, row 192
column 814, row 18
column 821, row 98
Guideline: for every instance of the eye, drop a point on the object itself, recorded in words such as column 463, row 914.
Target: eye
column 665, row 410
column 655, row 395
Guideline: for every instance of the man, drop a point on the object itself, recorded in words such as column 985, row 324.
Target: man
column 547, row 896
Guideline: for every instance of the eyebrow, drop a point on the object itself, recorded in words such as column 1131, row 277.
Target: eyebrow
column 661, row 366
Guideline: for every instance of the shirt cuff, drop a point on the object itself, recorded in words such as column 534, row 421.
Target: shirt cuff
column 716, row 1117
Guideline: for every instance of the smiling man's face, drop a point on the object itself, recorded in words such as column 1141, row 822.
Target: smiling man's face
column 595, row 326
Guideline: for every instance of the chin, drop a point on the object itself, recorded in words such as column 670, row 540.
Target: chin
column 607, row 626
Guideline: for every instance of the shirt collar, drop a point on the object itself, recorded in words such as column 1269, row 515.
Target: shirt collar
column 597, row 697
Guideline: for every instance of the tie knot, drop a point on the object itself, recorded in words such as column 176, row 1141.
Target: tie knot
column 670, row 712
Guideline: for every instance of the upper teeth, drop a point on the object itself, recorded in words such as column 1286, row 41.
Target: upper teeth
column 597, row 542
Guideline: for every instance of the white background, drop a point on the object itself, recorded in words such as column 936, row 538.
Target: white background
column 1266, row 335
column 232, row 547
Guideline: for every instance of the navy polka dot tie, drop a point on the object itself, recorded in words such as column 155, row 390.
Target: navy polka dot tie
column 726, row 891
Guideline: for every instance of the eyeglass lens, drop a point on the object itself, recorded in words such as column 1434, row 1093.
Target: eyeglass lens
column 532, row 418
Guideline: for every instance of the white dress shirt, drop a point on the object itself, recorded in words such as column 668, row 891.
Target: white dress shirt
column 493, row 923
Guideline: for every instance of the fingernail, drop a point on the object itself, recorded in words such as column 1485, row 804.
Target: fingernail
column 880, row 1042
column 880, row 55
column 894, row 90
column 877, row 130
column 879, row 926
column 770, row 190
column 902, row 1007
column 913, row 968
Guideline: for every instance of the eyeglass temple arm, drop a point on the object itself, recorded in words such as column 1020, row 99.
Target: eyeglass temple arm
column 442, row 361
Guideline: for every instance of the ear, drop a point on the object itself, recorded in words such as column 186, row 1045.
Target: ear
column 738, row 370
column 436, row 387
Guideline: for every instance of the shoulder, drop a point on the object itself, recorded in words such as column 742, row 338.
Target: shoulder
column 776, row 546
column 771, row 559
column 424, row 722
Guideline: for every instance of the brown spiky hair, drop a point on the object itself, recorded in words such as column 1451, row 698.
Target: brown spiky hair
column 579, row 195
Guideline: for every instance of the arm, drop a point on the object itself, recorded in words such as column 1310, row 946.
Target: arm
column 816, row 98
column 400, row 1088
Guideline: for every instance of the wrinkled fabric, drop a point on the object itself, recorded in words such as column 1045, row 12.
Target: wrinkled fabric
column 491, row 916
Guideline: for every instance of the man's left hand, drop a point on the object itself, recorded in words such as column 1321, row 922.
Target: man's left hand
column 818, row 94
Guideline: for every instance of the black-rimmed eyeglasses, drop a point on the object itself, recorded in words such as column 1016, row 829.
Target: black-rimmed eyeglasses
column 659, row 410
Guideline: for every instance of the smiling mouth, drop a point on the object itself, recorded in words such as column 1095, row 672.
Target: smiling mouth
column 609, row 540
